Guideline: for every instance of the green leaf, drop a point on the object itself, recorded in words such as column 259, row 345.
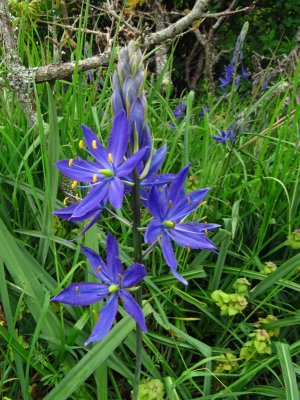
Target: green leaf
column 288, row 372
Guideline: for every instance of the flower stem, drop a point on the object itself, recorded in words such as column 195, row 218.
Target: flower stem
column 137, row 246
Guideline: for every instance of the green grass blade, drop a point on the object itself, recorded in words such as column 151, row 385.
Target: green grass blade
column 95, row 357
column 288, row 372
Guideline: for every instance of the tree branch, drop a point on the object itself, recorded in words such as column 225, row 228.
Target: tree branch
column 19, row 77
column 178, row 27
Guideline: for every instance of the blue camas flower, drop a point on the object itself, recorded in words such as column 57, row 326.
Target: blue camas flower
column 68, row 214
column 169, row 207
column 115, row 285
column 179, row 110
column 105, row 177
column 226, row 136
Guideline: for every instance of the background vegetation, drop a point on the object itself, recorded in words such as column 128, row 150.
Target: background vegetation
column 241, row 343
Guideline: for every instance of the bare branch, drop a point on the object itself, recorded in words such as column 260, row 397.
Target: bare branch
column 178, row 27
column 60, row 71
column 20, row 78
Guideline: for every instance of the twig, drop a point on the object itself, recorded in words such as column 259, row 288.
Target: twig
column 267, row 130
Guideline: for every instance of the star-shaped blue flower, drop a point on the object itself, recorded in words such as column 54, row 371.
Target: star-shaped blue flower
column 116, row 284
column 169, row 207
column 106, row 175
column 226, row 136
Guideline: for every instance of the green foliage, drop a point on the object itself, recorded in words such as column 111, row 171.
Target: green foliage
column 190, row 352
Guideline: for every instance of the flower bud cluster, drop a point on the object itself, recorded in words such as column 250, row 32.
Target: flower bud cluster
column 260, row 339
column 128, row 95
column 151, row 390
column 232, row 303
column 268, row 268
column 227, row 363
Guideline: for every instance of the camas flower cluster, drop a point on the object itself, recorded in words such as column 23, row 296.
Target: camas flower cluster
column 105, row 177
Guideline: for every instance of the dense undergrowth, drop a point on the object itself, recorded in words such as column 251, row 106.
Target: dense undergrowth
column 233, row 332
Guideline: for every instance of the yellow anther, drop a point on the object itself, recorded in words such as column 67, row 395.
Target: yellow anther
column 81, row 144
column 77, row 290
column 70, row 162
column 110, row 157
column 77, row 197
column 95, row 178
column 65, row 200
column 94, row 144
column 74, row 185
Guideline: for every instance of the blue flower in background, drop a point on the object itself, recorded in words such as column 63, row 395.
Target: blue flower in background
column 230, row 72
column 226, row 136
column 116, row 284
column 169, row 207
column 179, row 110
column 105, row 176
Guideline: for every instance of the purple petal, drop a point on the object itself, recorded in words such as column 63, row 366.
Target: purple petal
column 146, row 141
column 82, row 294
column 195, row 227
column 158, row 180
column 116, row 193
column 137, row 118
column 157, row 160
column 92, row 199
column 194, row 240
column 126, row 168
column 156, row 205
column 154, row 229
column 186, row 205
column 113, row 258
column 106, row 318
column 133, row 275
column 80, row 170
column 95, row 147
column 169, row 257
column 118, row 138
column 97, row 264
column 175, row 189
column 133, row 309
column 66, row 212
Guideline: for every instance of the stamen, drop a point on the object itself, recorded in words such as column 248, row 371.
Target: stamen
column 74, row 185
column 110, row 158
column 70, row 162
column 81, row 144
column 189, row 200
column 94, row 144
column 95, row 178
column 99, row 269
column 170, row 203
column 65, row 200
column 206, row 232
column 77, row 290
